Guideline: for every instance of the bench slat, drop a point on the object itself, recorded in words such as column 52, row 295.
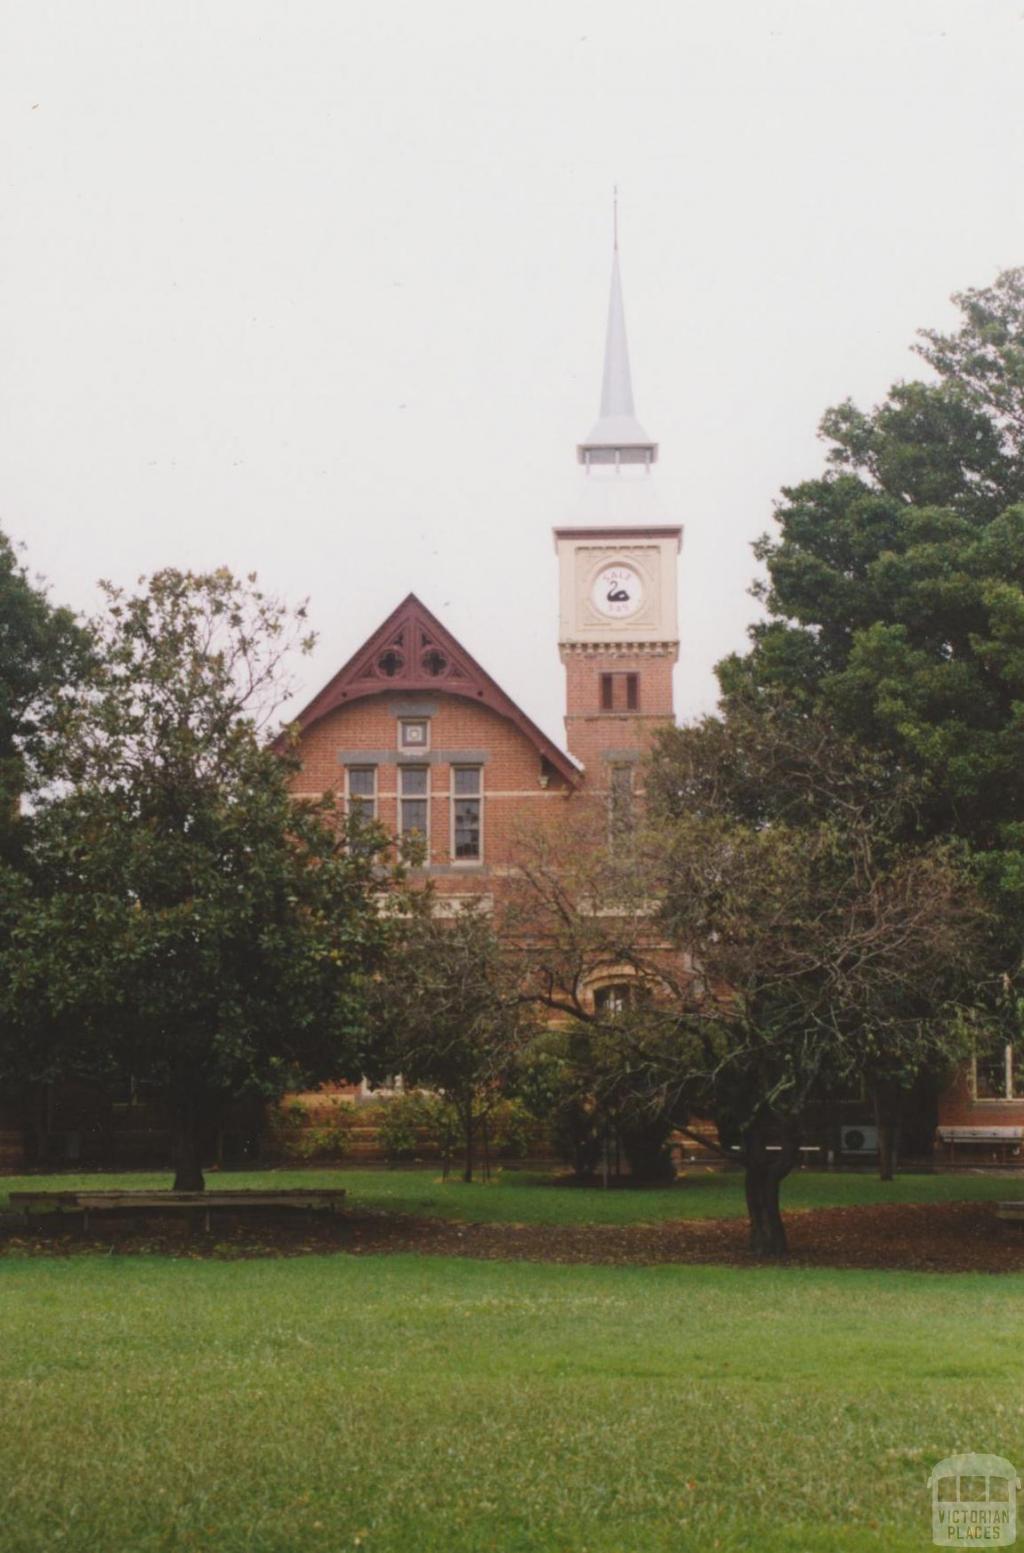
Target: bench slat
column 96, row 1201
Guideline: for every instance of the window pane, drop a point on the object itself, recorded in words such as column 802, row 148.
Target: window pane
column 990, row 1072
column 362, row 808
column 612, row 1000
column 972, row 1490
column 466, row 779
column 606, row 692
column 947, row 1491
column 632, row 692
column 414, row 815
column 361, row 782
column 414, row 781
column 467, row 827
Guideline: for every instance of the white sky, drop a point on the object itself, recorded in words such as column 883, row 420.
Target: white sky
column 317, row 288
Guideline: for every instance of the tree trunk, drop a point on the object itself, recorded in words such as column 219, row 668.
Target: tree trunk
column 764, row 1177
column 188, row 1154
column 888, row 1149
column 467, row 1174
column 487, row 1150
column 888, row 1114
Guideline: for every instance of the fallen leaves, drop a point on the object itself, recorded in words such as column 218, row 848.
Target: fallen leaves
column 934, row 1237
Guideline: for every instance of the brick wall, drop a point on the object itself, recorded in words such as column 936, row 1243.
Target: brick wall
column 593, row 734
column 512, row 787
column 958, row 1107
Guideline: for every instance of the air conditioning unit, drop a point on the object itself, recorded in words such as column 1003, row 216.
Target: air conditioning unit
column 860, row 1140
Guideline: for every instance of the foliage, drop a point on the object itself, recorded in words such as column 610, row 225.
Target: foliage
column 513, row 1133
column 406, row 1120
column 780, row 937
column 299, row 1131
column 578, row 1130
column 585, row 916
column 448, row 1014
column 603, row 1112
column 895, row 587
column 826, row 949
column 43, row 650
column 191, row 922
column 895, row 610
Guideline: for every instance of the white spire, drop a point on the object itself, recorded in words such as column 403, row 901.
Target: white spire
column 617, row 436
column 616, row 386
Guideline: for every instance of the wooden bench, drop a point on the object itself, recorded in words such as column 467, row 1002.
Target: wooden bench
column 1013, row 1212
column 1005, row 1139
column 89, row 1202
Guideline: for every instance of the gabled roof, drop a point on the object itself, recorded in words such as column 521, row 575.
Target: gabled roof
column 413, row 652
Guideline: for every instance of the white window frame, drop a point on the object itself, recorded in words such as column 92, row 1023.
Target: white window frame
column 1008, row 1092
column 424, row 798
column 453, row 799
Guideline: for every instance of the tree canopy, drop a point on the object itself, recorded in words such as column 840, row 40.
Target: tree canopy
column 187, row 920
column 895, row 583
column 448, row 1012
column 785, row 939
column 43, row 649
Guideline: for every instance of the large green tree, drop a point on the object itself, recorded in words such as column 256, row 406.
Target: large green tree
column 828, row 950
column 895, row 585
column 186, row 919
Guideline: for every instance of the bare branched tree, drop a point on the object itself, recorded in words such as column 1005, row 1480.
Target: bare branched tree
column 793, row 933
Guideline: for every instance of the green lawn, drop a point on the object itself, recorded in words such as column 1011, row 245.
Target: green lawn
column 516, row 1197
column 427, row 1405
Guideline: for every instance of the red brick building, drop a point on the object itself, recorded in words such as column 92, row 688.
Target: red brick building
column 414, row 732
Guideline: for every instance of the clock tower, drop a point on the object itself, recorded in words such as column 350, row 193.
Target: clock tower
column 618, row 630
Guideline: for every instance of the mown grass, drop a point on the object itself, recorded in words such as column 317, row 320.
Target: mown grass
column 518, row 1197
column 430, row 1405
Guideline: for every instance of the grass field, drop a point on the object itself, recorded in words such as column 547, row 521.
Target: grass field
column 516, row 1197
column 428, row 1405
column 431, row 1405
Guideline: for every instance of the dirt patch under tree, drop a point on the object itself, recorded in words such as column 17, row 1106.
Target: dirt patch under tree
column 946, row 1237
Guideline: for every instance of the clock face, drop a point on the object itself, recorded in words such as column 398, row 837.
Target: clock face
column 617, row 592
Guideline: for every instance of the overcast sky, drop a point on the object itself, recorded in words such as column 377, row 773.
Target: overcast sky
column 318, row 288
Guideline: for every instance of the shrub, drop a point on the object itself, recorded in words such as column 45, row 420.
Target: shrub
column 510, row 1129
column 400, row 1121
column 325, row 1142
column 297, row 1130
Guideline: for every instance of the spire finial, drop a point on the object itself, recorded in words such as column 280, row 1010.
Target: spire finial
column 615, row 217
